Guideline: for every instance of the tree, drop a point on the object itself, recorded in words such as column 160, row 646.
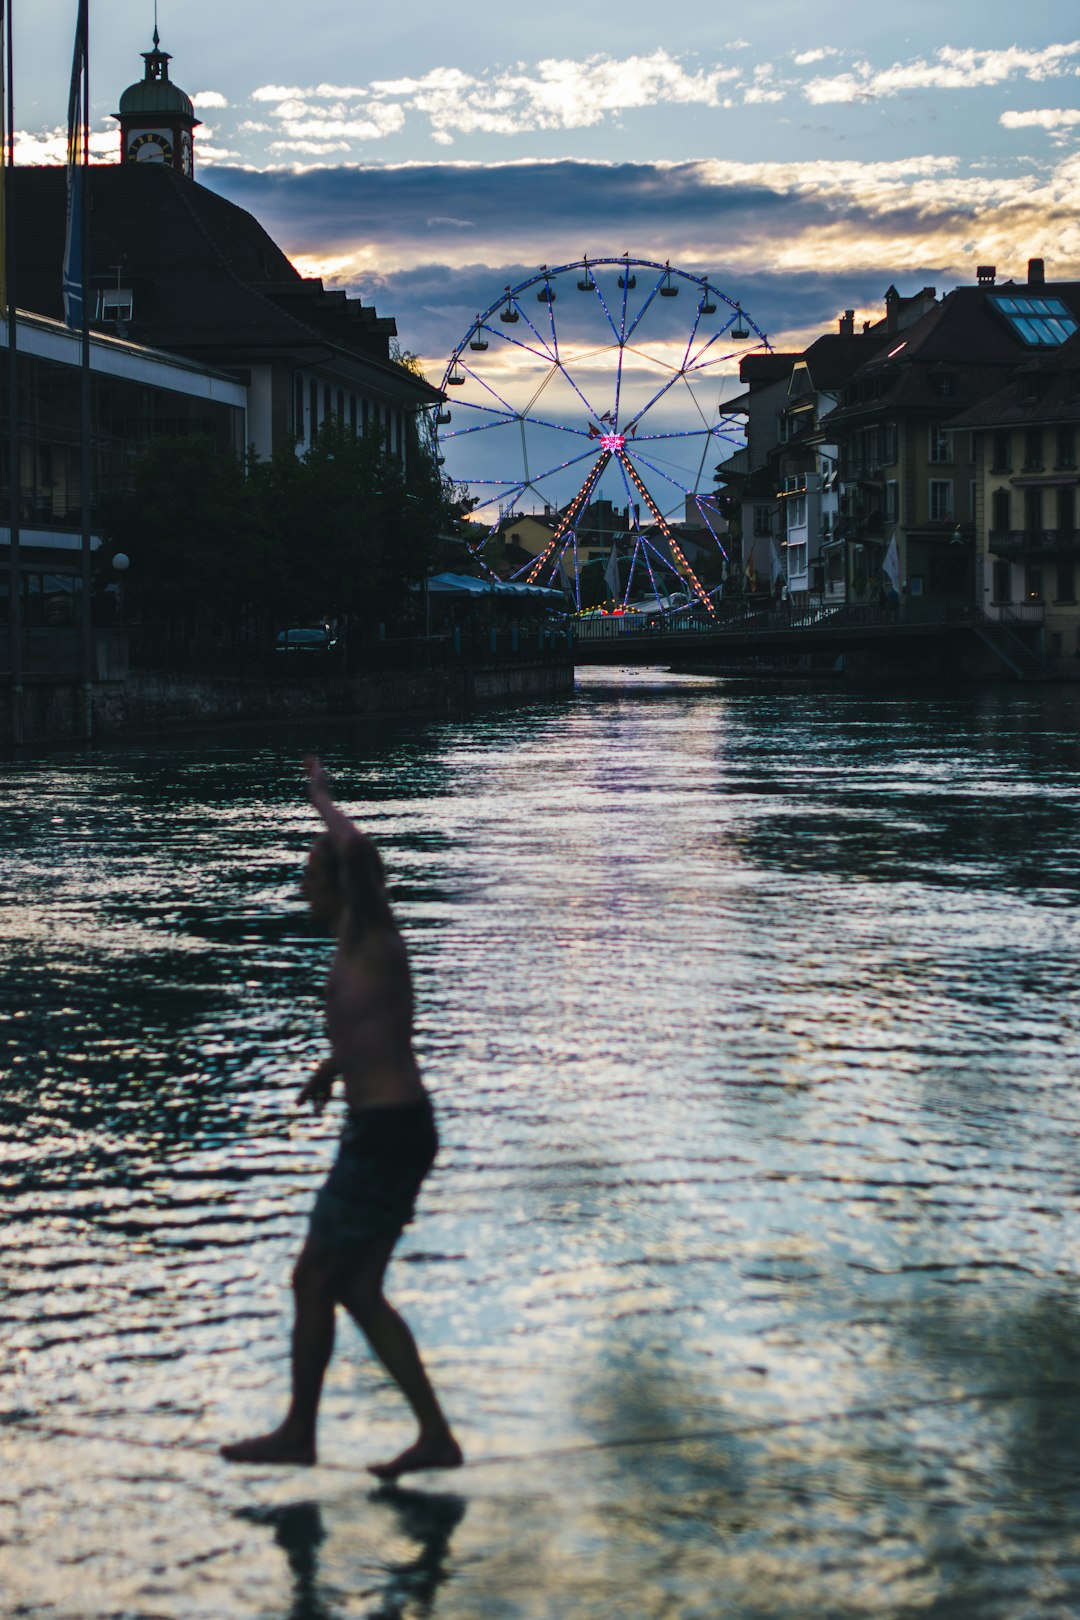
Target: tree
column 343, row 531
column 186, row 523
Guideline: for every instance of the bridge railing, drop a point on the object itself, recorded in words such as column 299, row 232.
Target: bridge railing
column 739, row 618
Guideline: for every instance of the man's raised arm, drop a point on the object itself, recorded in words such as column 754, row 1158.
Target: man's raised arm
column 342, row 831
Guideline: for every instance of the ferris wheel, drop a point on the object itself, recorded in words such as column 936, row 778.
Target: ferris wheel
column 584, row 411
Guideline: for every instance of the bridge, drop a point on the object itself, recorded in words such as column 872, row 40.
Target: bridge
column 750, row 631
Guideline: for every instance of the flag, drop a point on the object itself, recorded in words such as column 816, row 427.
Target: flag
column 611, row 572
column 890, row 565
column 74, row 269
column 776, row 567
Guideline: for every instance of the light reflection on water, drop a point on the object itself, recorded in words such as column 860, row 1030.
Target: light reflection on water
column 752, row 1019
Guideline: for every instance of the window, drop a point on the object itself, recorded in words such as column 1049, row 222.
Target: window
column 1033, row 585
column 888, row 443
column 762, row 520
column 1033, row 512
column 1033, row 445
column 1066, row 580
column 1066, row 511
column 1002, row 583
column 941, row 500
column 115, row 304
column 796, row 561
column 795, row 512
column 892, row 501
column 944, row 384
column 1001, row 459
column 1001, row 511
column 940, row 443
column 1066, row 446
column 1038, row 322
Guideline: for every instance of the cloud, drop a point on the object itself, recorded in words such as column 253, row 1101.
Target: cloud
column 804, row 58
column 952, row 69
column 209, row 98
column 558, row 93
column 736, row 222
column 1044, row 118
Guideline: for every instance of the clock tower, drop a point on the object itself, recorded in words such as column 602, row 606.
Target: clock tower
column 157, row 120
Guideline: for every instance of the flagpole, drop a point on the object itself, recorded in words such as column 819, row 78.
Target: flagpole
column 87, row 492
column 14, row 573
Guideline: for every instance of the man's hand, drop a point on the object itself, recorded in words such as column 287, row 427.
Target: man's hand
column 318, row 782
column 317, row 1090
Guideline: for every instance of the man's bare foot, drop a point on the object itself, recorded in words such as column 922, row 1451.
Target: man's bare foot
column 281, row 1446
column 442, row 1451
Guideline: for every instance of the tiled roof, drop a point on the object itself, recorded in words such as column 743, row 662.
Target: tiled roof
column 1046, row 389
column 831, row 359
column 208, row 281
column 766, row 367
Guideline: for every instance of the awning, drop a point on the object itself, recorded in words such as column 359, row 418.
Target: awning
column 469, row 585
column 1044, row 480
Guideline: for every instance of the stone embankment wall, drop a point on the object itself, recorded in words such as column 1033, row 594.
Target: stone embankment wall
column 151, row 703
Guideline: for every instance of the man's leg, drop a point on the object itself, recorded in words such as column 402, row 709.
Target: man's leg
column 390, row 1339
column 312, row 1347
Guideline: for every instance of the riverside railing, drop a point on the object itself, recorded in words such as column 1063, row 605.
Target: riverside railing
column 739, row 618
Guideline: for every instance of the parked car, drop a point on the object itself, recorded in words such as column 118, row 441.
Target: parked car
column 306, row 641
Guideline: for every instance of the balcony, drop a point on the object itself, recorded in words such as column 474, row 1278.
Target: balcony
column 1010, row 543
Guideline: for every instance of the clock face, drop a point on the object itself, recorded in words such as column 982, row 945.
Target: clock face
column 185, row 152
column 152, row 146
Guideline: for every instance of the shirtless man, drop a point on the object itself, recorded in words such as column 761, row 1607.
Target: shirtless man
column 387, row 1148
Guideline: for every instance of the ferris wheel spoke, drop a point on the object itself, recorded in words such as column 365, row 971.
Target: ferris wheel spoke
column 697, row 363
column 541, row 353
column 694, row 328
column 657, row 397
column 551, row 357
column 604, row 307
column 636, row 322
column 481, row 427
column 482, row 382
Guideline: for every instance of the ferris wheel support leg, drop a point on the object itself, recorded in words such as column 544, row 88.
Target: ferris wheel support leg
column 570, row 516
column 658, row 517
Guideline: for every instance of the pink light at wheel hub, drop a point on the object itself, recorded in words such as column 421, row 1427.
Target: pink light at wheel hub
column 612, row 441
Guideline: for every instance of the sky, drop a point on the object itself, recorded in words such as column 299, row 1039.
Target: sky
column 802, row 158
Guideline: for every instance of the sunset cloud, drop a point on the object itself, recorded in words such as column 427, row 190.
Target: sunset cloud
column 952, row 69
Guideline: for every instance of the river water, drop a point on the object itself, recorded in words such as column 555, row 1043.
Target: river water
column 749, row 1270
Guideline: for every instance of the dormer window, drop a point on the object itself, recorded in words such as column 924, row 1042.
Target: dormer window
column 944, row 384
column 114, row 305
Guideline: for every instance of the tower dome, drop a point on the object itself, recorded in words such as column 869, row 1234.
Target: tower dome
column 157, row 118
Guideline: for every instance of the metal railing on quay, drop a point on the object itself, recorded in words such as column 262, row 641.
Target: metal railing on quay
column 741, row 617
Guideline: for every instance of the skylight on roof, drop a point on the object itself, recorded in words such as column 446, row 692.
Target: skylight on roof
column 1039, row 322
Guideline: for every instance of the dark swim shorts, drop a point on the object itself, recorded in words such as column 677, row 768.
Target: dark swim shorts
column 370, row 1194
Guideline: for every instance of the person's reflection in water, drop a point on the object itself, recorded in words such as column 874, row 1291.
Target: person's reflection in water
column 298, row 1531
column 429, row 1520
column 426, row 1519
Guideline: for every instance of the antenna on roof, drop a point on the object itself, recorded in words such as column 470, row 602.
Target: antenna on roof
column 157, row 36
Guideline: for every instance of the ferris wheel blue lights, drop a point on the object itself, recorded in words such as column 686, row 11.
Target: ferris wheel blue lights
column 606, row 352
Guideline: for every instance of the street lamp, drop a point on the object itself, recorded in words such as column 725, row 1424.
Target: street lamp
column 121, row 562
